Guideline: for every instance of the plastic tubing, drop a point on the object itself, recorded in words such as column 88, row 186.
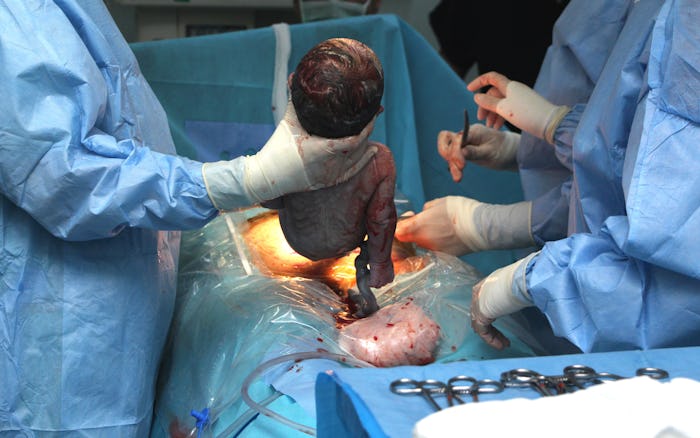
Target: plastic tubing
column 237, row 426
column 297, row 357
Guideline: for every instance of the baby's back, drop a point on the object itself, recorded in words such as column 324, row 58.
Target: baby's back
column 330, row 222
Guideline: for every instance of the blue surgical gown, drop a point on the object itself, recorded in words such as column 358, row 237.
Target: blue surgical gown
column 626, row 276
column 569, row 72
column 88, row 181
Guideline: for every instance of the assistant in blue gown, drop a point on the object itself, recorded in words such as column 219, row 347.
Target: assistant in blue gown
column 89, row 188
column 626, row 277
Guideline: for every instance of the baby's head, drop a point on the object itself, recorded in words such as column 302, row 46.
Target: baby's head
column 337, row 88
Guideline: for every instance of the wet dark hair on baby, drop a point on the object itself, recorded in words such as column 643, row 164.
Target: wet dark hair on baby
column 337, row 88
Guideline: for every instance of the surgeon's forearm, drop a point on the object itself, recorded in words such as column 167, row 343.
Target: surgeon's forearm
column 504, row 226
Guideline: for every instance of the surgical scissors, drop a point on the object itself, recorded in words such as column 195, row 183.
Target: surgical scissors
column 425, row 388
column 522, row 377
column 652, row 372
column 573, row 375
column 581, row 374
column 465, row 132
column 453, row 389
column 459, row 385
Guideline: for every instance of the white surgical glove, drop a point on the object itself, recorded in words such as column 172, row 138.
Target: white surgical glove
column 501, row 293
column 291, row 161
column 457, row 225
column 485, row 146
column 518, row 104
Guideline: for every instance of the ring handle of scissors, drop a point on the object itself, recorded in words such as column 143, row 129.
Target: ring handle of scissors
column 489, row 386
column 580, row 370
column 654, row 373
column 433, row 386
column 410, row 386
column 520, row 377
column 581, row 374
column 406, row 386
column 454, row 384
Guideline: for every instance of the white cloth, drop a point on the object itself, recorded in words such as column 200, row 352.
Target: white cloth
column 637, row 407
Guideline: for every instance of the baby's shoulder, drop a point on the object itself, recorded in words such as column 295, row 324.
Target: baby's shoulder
column 383, row 150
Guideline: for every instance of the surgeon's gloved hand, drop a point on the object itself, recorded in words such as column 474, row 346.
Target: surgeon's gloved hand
column 457, row 225
column 485, row 146
column 291, row 161
column 518, row 104
column 501, row 293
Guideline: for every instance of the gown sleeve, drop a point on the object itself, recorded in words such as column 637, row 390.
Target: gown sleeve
column 77, row 153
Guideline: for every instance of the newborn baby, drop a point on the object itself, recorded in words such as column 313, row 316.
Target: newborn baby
column 336, row 92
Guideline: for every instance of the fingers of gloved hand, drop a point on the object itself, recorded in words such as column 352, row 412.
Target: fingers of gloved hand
column 448, row 145
column 488, row 110
column 405, row 227
column 456, row 171
column 432, row 229
column 491, row 335
column 434, row 203
column 495, row 121
column 529, row 111
column 492, row 78
column 498, row 84
column 332, row 161
column 482, row 325
column 516, row 103
column 294, row 161
column 412, row 227
column 478, row 154
column 488, row 101
column 490, row 148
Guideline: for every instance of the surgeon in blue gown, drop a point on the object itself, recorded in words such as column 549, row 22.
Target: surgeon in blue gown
column 615, row 214
column 92, row 196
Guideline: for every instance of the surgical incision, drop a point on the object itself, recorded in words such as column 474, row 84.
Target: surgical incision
column 398, row 334
column 274, row 256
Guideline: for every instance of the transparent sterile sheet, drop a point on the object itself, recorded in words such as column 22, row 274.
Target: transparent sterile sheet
column 239, row 305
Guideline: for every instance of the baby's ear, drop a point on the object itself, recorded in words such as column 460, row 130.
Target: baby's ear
column 289, row 80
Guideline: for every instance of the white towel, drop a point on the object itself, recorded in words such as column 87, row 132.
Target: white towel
column 636, row 407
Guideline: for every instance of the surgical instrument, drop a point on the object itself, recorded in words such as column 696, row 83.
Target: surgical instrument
column 578, row 376
column 425, row 388
column 456, row 386
column 521, row 377
column 465, row 132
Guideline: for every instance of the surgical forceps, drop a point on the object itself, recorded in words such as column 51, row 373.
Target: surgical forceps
column 425, row 388
column 522, row 377
column 579, row 374
column 573, row 376
column 454, row 388
column 466, row 385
